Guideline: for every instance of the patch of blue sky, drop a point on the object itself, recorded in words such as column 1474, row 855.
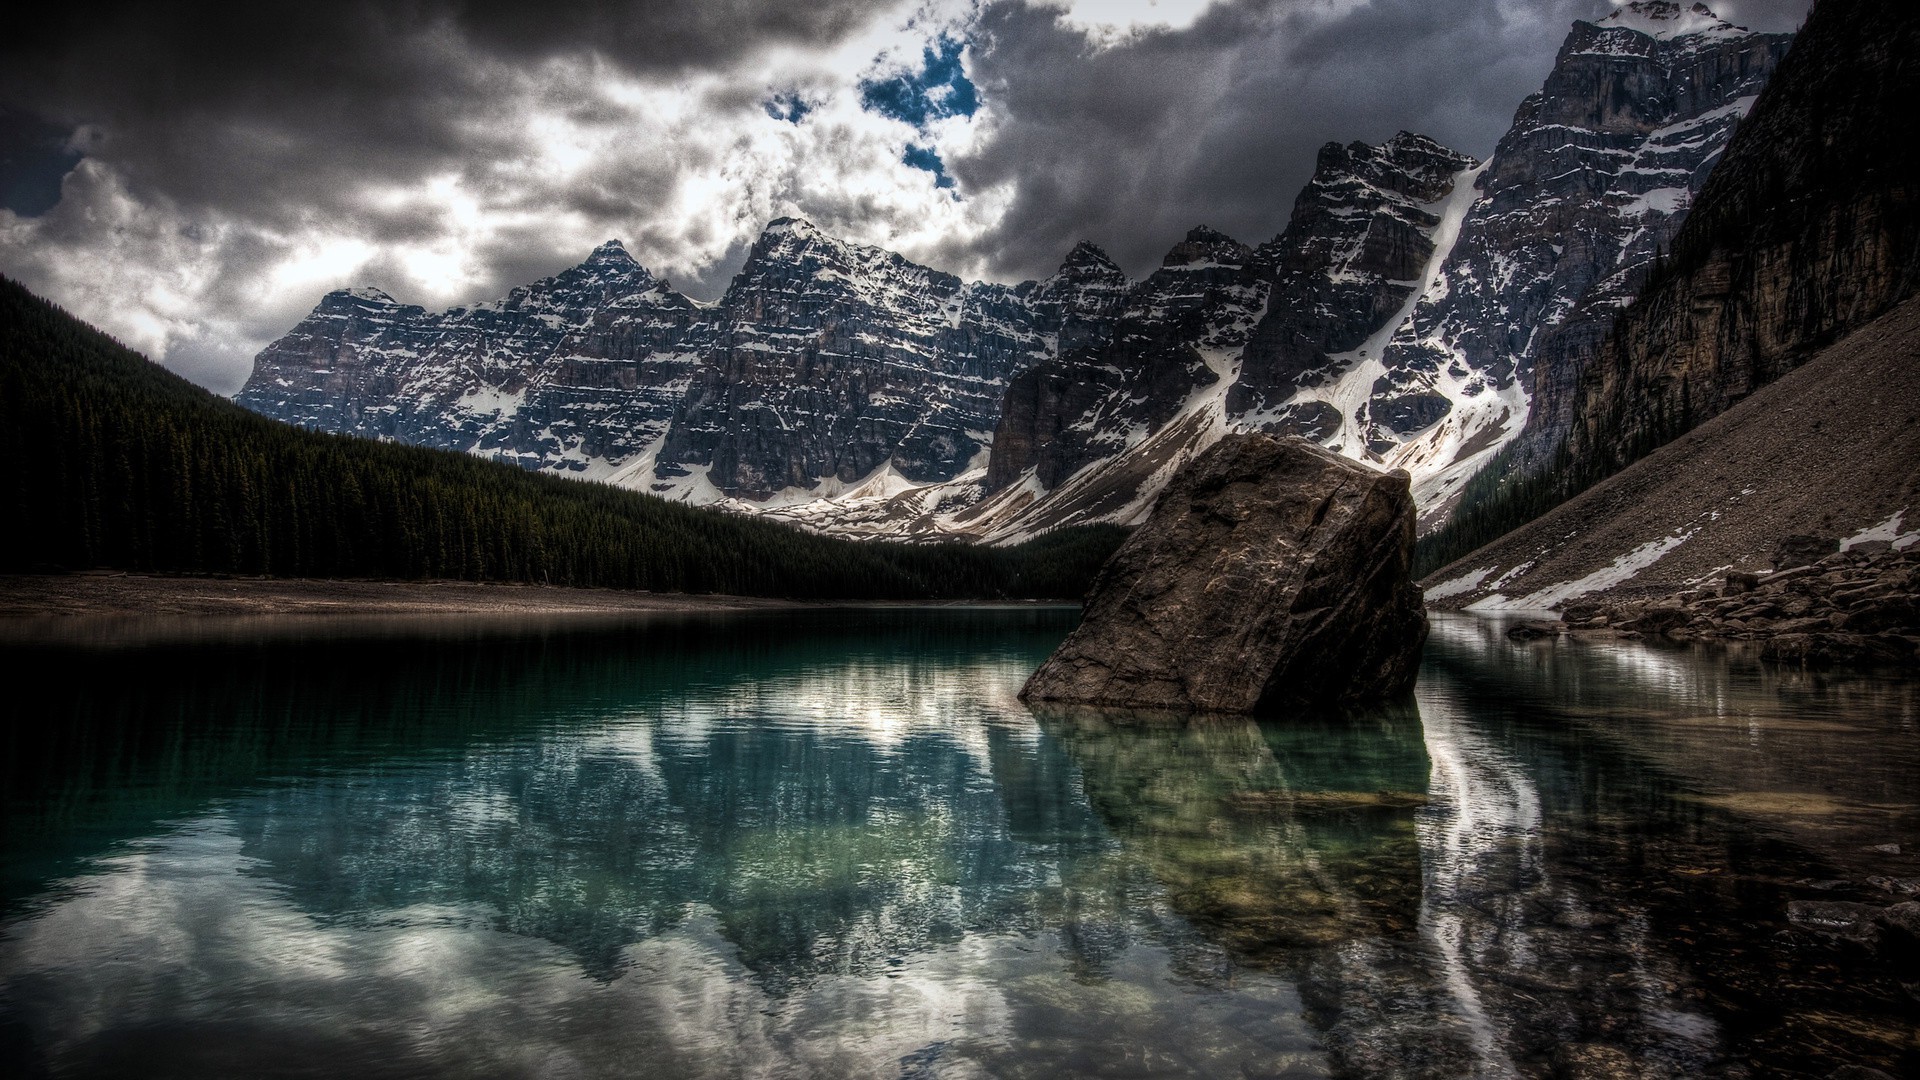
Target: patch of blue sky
column 790, row 107
column 940, row 88
column 925, row 158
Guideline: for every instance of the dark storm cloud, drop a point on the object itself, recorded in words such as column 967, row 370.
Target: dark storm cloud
column 282, row 113
column 34, row 157
column 1219, row 123
column 1131, row 145
column 238, row 159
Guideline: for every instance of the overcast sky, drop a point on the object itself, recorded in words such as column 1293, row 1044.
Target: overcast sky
column 193, row 177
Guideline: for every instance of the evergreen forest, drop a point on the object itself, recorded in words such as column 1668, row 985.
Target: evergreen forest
column 118, row 463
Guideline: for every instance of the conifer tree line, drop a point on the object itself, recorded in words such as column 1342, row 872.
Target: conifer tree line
column 115, row 462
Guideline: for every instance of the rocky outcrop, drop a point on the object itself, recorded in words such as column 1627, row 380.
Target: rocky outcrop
column 1808, row 230
column 1271, row 571
column 1859, row 607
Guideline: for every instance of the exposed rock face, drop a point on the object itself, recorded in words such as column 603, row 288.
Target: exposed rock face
column 1361, row 237
column 1808, row 230
column 1178, row 331
column 1217, row 340
column 1272, row 570
column 834, row 360
column 1421, row 313
column 825, row 362
column 1587, row 187
column 586, row 364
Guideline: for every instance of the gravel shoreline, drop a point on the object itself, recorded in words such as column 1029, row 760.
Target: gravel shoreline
column 116, row 594
column 1855, row 608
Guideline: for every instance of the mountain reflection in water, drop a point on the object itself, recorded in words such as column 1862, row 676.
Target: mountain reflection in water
column 834, row 843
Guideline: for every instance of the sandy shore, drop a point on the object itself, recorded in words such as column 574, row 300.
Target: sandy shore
column 26, row 596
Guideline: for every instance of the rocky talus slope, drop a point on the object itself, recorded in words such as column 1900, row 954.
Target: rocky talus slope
column 1832, row 449
column 1786, row 317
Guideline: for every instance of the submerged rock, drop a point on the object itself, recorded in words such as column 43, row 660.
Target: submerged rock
column 1271, row 571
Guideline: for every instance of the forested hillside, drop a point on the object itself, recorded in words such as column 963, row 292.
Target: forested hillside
column 115, row 462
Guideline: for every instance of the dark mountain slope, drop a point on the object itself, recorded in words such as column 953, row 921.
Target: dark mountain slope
column 1831, row 449
column 120, row 463
column 1808, row 229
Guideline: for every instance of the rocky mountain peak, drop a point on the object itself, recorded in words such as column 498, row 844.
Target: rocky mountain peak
column 361, row 296
column 784, row 235
column 361, row 302
column 1088, row 260
column 610, row 254
column 1665, row 19
column 1409, row 165
column 1204, row 247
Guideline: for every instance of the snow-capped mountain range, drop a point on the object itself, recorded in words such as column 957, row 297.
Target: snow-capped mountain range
column 1421, row 310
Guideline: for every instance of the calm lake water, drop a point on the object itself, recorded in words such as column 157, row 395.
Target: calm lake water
column 835, row 844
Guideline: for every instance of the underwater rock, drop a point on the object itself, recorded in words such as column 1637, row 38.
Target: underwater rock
column 1270, row 571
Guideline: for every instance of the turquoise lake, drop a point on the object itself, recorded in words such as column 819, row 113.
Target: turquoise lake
column 829, row 843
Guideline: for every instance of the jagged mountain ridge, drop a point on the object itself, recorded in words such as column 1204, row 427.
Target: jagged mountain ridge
column 586, row 365
column 1421, row 314
column 848, row 389
column 824, row 364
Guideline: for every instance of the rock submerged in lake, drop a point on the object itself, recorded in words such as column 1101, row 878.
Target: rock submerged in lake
column 1270, row 571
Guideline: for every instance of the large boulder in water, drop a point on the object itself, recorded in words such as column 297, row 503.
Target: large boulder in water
column 1271, row 571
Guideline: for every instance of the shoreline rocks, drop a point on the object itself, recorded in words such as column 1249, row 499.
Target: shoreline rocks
column 1271, row 571
column 1853, row 608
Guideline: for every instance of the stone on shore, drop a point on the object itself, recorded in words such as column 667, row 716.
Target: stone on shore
column 1271, row 571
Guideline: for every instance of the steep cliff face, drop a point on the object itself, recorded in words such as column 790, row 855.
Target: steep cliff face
column 1178, row 332
column 587, row 364
column 1359, row 241
column 1422, row 312
column 1589, row 184
column 1809, row 229
column 1655, row 92
column 826, row 363
column 833, row 360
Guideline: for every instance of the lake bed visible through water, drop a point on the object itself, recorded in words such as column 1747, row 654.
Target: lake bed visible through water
column 835, row 843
